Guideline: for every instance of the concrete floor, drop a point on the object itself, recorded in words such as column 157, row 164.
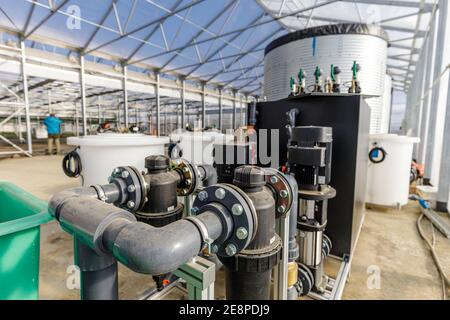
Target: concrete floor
column 389, row 242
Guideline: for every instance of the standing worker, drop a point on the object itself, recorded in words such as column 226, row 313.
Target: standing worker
column 53, row 125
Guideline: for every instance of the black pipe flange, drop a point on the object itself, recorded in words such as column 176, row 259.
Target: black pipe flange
column 242, row 212
column 134, row 189
column 282, row 191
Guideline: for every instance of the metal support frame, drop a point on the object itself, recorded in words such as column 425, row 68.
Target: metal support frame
column 83, row 95
column 444, row 181
column 125, row 96
column 25, row 97
column 200, row 275
column 281, row 270
column 158, row 104
column 424, row 114
column 244, row 111
column 335, row 287
column 204, row 105
column 220, row 125
column 233, row 121
column 183, row 103
column 440, row 48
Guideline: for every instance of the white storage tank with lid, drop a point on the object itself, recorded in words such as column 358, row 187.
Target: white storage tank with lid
column 339, row 45
column 101, row 153
column 197, row 147
column 388, row 176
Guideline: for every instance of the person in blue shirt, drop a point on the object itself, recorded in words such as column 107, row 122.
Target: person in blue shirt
column 53, row 125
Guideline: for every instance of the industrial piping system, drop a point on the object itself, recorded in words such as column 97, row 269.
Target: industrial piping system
column 105, row 233
column 118, row 221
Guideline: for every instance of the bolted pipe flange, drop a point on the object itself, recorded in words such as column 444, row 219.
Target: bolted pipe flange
column 282, row 191
column 241, row 211
column 134, row 188
column 190, row 179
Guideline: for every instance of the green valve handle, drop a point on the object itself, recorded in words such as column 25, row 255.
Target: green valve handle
column 332, row 75
column 292, row 83
column 317, row 73
column 355, row 70
column 300, row 76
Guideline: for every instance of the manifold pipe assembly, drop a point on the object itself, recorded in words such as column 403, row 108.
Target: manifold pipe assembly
column 105, row 234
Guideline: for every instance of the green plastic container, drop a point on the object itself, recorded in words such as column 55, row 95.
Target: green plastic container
column 21, row 215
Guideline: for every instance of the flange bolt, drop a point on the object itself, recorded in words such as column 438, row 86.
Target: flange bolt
column 237, row 209
column 130, row 204
column 230, row 249
column 220, row 193
column 125, row 174
column 273, row 179
column 283, row 193
column 203, row 195
column 281, row 209
column 131, row 188
column 194, row 210
column 241, row 233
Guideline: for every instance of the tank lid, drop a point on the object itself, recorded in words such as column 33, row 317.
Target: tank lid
column 326, row 30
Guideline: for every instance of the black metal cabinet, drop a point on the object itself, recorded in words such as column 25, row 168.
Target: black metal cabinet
column 349, row 116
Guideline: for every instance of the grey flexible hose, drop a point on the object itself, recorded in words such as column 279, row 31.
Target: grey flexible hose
column 445, row 279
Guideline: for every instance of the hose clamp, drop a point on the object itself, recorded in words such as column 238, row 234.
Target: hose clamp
column 203, row 232
column 100, row 193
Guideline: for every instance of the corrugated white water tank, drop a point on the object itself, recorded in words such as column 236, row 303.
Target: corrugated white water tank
column 101, row 153
column 338, row 45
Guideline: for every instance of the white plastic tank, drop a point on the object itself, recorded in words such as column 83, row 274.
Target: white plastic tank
column 339, row 45
column 388, row 181
column 101, row 153
column 197, row 147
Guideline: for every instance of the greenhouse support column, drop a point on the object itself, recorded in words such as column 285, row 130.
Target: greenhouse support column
column 204, row 105
column 25, row 96
column 158, row 105
column 183, row 104
column 444, row 181
column 83, row 95
column 244, row 110
column 77, row 122
column 424, row 120
column 125, row 96
column 234, row 110
column 220, row 109
column 440, row 47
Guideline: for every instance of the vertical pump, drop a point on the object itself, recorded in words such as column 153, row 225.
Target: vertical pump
column 309, row 159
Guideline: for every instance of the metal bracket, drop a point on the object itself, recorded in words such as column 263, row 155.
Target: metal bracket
column 281, row 270
column 200, row 276
column 334, row 287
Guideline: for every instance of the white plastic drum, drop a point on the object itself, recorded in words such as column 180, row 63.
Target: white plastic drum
column 388, row 181
column 101, row 153
column 197, row 147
